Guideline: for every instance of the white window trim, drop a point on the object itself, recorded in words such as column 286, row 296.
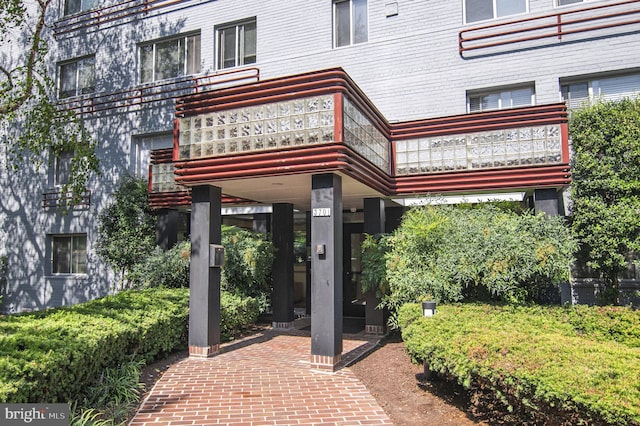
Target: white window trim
column 593, row 86
column 240, row 45
column 498, row 91
column 76, row 61
column 495, row 10
column 83, row 8
column 351, row 25
column 56, row 161
column 52, row 238
column 155, row 43
column 556, row 4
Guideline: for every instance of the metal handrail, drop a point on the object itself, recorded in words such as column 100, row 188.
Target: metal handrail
column 559, row 22
column 157, row 91
column 57, row 198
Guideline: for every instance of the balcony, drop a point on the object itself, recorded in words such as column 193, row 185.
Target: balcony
column 321, row 122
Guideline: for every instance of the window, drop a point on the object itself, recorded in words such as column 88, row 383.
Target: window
column 76, row 6
column 69, row 254
column 566, row 2
column 170, row 58
column 62, row 168
column 578, row 93
column 77, row 77
column 501, row 98
column 142, row 151
column 237, row 44
column 350, row 22
column 480, row 10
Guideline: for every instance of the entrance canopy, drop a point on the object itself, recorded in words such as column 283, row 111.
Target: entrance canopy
column 261, row 142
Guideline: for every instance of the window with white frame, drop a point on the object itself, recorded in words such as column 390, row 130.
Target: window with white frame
column 77, row 77
column 77, row 6
column 170, row 58
column 501, row 98
column 69, row 254
column 567, row 2
column 580, row 92
column 481, row 10
column 350, row 22
column 62, row 168
column 237, row 44
column 141, row 150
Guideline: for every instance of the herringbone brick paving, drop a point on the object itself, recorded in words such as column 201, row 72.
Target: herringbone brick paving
column 262, row 380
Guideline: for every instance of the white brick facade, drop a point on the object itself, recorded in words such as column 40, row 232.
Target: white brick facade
column 410, row 68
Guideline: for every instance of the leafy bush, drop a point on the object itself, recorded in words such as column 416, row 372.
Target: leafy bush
column 374, row 270
column 248, row 260
column 605, row 175
column 54, row 355
column 236, row 313
column 168, row 268
column 126, row 230
column 481, row 253
column 561, row 365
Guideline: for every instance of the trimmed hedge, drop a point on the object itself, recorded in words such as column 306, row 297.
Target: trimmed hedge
column 51, row 356
column 236, row 313
column 564, row 365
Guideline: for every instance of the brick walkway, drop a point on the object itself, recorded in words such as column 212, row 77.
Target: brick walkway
column 262, row 380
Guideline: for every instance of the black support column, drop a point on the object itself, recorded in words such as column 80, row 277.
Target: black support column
column 282, row 237
column 204, row 280
column 326, row 271
column 374, row 223
column 167, row 228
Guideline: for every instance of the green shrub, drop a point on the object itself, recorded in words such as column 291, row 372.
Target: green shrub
column 237, row 313
column 605, row 184
column 482, row 253
column 248, row 261
column 576, row 363
column 54, row 355
column 168, row 268
column 126, row 232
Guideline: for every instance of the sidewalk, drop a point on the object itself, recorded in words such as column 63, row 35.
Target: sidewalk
column 265, row 379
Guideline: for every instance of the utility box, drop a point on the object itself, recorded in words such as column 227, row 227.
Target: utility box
column 216, row 256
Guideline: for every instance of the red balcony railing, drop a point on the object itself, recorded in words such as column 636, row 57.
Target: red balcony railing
column 114, row 14
column 521, row 33
column 55, row 198
column 136, row 97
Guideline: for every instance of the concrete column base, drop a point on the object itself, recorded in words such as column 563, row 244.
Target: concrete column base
column 282, row 325
column 325, row 363
column 204, row 352
column 377, row 330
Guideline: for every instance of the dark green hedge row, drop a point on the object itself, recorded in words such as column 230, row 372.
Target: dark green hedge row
column 51, row 356
column 236, row 314
column 566, row 365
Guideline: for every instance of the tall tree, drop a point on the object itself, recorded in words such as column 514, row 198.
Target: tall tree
column 606, row 187
column 30, row 115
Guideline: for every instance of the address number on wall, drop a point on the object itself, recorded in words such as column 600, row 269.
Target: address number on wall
column 321, row 212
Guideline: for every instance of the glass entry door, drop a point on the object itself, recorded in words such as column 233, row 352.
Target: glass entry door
column 353, row 299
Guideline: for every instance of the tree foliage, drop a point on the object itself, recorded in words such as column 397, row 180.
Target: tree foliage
column 248, row 260
column 450, row 254
column 126, row 230
column 606, row 186
column 33, row 120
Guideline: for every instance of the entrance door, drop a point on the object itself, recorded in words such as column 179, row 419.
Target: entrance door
column 353, row 299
